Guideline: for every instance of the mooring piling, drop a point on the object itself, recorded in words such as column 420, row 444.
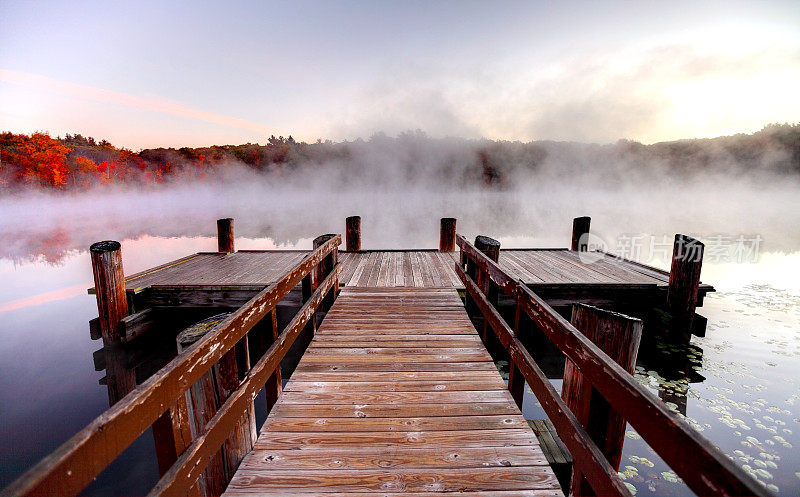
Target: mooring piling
column 109, row 284
column 580, row 227
column 684, row 281
column 225, row 235
column 112, row 306
column 447, row 234
column 618, row 336
column 353, row 233
column 206, row 397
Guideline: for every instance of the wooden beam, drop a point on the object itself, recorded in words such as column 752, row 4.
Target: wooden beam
column 137, row 324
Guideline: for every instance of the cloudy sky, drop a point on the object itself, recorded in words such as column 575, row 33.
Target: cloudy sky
column 155, row 73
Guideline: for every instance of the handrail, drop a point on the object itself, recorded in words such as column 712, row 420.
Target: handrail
column 72, row 466
column 191, row 464
column 679, row 445
column 584, row 451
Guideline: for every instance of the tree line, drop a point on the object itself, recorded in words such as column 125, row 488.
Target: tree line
column 75, row 162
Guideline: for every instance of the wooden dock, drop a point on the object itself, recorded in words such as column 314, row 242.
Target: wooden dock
column 396, row 393
column 559, row 276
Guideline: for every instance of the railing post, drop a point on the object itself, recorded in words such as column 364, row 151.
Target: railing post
column 618, row 336
column 274, row 385
column 112, row 306
column 325, row 267
column 684, row 282
column 353, row 233
column 516, row 381
column 580, row 227
column 259, row 339
column 491, row 248
column 447, row 234
column 207, row 395
column 225, row 235
column 172, row 435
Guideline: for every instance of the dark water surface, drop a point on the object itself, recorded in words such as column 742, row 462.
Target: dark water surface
column 739, row 385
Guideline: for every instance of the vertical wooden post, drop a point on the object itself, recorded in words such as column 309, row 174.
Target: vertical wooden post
column 172, row 435
column 225, row 235
column 618, row 336
column 516, row 381
column 447, row 234
column 684, row 282
column 580, row 227
column 488, row 246
column 109, row 285
column 353, row 233
column 325, row 267
column 491, row 248
column 274, row 384
column 204, row 399
column 112, row 306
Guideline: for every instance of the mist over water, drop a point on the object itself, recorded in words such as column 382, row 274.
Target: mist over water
column 515, row 194
column 522, row 194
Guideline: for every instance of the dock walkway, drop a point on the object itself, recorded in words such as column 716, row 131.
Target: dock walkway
column 396, row 393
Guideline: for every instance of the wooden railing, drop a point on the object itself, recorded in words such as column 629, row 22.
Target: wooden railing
column 701, row 465
column 71, row 467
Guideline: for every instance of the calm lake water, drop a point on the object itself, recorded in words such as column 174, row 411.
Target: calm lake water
column 739, row 385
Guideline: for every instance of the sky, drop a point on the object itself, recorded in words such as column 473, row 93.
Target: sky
column 157, row 73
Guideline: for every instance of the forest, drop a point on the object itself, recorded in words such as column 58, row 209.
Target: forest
column 75, row 162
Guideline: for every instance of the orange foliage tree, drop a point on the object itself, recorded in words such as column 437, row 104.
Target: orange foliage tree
column 45, row 160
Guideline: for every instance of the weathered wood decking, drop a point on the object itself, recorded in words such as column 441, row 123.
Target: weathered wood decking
column 558, row 275
column 396, row 393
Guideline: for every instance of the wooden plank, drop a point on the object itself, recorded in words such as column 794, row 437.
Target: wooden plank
column 361, row 411
column 465, row 367
column 399, row 457
column 401, row 480
column 482, row 493
column 451, row 438
column 395, row 386
column 348, row 398
column 442, row 423
column 384, row 376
